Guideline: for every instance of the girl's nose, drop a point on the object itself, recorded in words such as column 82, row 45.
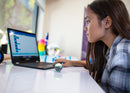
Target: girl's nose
column 85, row 28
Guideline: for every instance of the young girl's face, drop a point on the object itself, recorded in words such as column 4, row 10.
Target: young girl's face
column 95, row 29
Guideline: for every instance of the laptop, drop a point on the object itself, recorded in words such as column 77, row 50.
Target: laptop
column 24, row 50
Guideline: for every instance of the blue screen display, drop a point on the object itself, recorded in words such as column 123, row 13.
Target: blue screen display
column 23, row 44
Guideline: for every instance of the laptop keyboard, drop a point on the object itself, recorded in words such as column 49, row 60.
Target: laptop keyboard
column 38, row 65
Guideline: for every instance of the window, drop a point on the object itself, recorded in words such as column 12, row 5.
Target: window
column 17, row 14
column 40, row 20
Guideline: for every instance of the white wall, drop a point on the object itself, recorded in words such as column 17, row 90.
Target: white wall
column 63, row 20
column 127, row 3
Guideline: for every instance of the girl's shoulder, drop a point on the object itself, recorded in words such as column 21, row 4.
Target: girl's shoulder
column 122, row 55
column 123, row 46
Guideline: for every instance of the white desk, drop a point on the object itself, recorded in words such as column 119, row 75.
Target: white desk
column 14, row 79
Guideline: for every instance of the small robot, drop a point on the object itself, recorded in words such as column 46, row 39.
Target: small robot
column 58, row 67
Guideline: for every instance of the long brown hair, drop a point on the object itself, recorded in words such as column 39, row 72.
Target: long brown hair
column 117, row 11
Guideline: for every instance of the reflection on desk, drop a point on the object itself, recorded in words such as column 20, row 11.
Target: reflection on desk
column 14, row 79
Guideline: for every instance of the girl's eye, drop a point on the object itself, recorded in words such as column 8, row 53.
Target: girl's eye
column 88, row 21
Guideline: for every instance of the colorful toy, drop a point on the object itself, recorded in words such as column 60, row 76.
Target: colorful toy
column 41, row 47
column 53, row 50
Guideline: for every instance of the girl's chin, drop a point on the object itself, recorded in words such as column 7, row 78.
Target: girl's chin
column 91, row 41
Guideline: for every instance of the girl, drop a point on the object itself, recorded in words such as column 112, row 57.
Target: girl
column 108, row 32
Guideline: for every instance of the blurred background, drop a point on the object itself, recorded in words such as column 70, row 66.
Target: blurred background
column 62, row 19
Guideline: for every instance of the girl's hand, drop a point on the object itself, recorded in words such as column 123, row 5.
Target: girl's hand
column 65, row 63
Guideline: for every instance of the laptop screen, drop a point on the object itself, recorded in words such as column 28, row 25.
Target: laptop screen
column 23, row 46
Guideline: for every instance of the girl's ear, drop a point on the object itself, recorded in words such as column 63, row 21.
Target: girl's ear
column 107, row 22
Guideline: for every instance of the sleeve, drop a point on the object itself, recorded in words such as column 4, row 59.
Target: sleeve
column 119, row 79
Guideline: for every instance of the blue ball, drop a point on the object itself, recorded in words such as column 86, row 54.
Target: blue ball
column 58, row 67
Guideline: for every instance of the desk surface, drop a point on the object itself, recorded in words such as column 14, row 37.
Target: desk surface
column 14, row 79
